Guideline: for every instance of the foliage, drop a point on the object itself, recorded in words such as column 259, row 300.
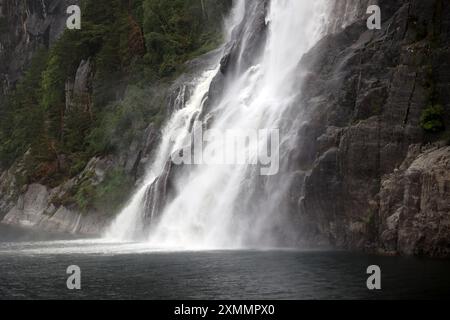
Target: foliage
column 113, row 191
column 177, row 30
column 135, row 48
column 21, row 119
column 123, row 120
column 106, row 196
column 432, row 119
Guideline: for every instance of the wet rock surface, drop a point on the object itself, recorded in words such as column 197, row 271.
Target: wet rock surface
column 40, row 207
column 366, row 188
column 31, row 25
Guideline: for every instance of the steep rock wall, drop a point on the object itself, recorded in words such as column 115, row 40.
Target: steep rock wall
column 365, row 93
column 29, row 25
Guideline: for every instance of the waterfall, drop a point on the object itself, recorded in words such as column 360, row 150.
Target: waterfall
column 231, row 206
column 129, row 223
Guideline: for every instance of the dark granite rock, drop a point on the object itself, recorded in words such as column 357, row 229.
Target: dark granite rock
column 365, row 92
column 31, row 25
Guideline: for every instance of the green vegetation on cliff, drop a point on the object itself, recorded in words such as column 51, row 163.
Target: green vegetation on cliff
column 432, row 119
column 132, row 47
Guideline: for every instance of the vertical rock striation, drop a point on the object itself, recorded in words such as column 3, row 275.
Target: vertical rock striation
column 372, row 182
column 29, row 25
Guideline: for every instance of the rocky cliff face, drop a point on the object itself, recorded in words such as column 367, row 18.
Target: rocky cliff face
column 28, row 25
column 376, row 180
column 40, row 207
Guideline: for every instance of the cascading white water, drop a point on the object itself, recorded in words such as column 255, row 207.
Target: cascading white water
column 176, row 132
column 203, row 213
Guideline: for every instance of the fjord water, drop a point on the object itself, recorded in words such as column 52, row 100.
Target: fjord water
column 232, row 206
column 31, row 268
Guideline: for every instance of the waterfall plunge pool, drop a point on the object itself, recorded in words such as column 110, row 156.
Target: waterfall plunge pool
column 36, row 269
